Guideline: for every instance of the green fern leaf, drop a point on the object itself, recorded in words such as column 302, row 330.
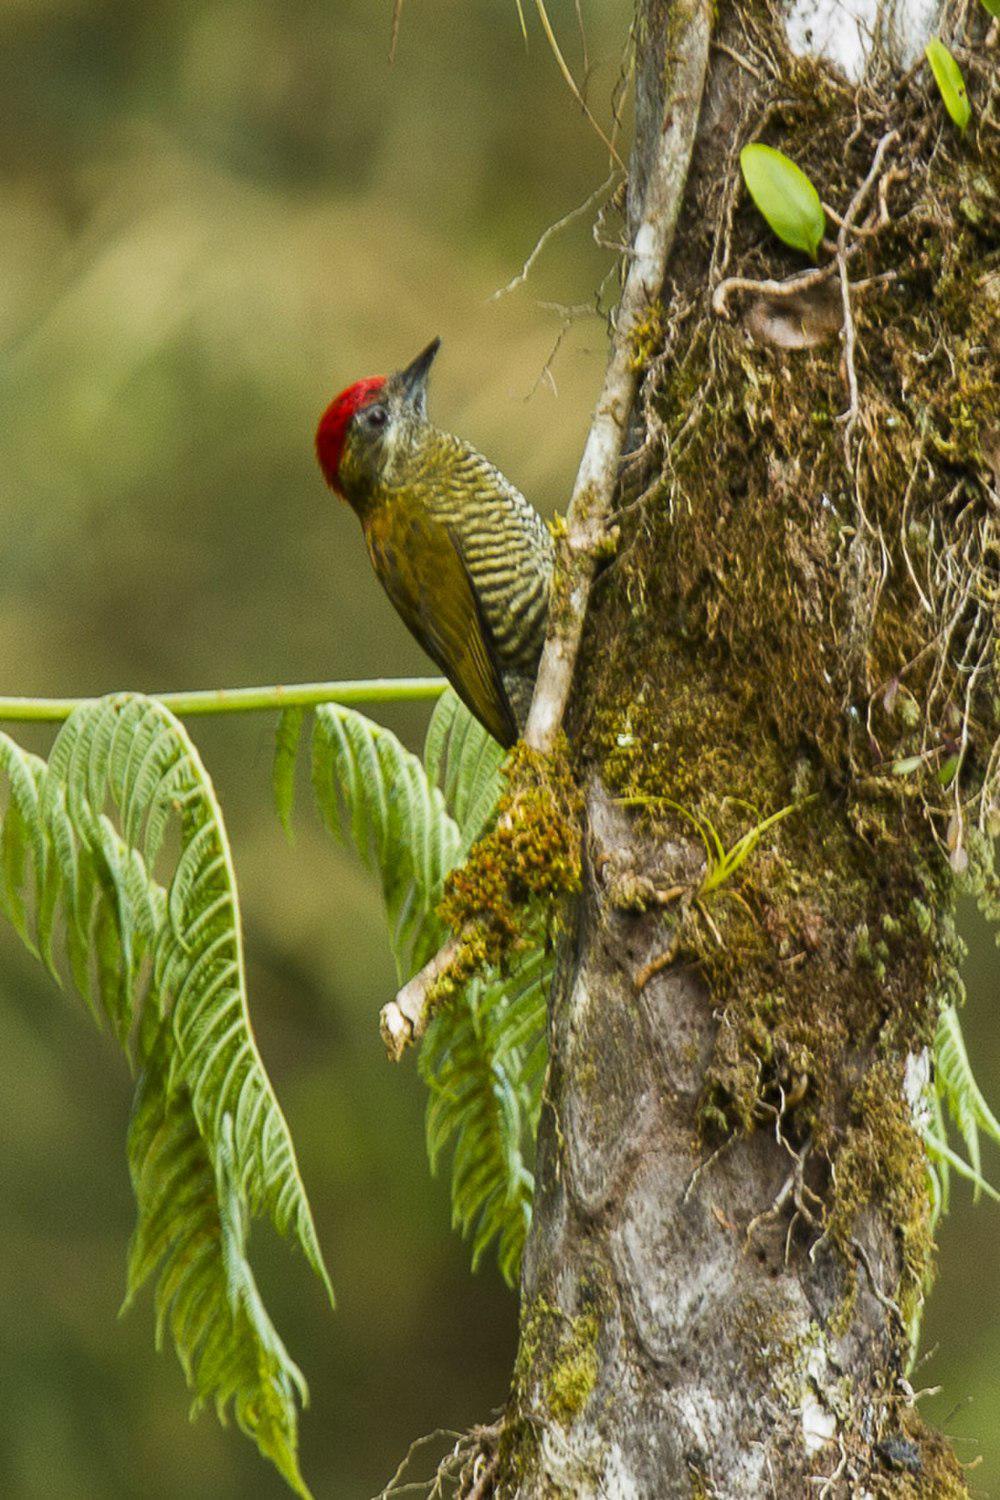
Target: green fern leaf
column 373, row 793
column 483, row 1060
column 164, row 966
column 23, row 838
column 957, row 1088
column 464, row 761
column 937, row 1167
column 942, row 1154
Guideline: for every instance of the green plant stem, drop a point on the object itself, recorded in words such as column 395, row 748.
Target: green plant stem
column 245, row 700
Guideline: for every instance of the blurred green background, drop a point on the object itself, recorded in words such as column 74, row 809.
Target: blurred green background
column 213, row 215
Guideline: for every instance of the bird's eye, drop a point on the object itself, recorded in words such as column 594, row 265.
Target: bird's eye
column 376, row 417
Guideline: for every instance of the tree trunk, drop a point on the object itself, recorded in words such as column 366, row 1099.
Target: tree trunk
column 732, row 1234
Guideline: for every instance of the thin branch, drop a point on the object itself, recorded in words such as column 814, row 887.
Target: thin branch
column 405, row 1018
column 244, row 700
column 583, row 40
column 397, row 12
column 590, row 505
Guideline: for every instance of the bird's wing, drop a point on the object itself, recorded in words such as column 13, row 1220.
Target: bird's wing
column 420, row 565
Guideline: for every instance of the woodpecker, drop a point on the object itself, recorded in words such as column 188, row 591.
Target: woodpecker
column 464, row 558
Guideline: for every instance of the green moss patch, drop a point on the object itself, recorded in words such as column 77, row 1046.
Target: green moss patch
column 517, row 875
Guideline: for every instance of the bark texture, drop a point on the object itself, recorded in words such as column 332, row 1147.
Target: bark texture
column 669, row 1348
column 732, row 1233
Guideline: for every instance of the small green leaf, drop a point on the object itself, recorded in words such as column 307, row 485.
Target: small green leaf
column 951, row 84
column 785, row 197
column 946, row 772
column 907, row 766
column 992, row 8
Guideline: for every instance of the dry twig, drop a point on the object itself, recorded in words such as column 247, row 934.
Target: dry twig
column 571, row 83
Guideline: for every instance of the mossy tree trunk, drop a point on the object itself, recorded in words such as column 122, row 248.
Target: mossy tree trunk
column 733, row 1230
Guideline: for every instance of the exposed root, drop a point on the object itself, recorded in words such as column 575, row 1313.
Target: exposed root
column 398, row 1484
column 467, row 1471
column 791, row 287
column 658, row 964
column 850, row 417
column 877, row 1292
column 606, row 187
column 794, row 1187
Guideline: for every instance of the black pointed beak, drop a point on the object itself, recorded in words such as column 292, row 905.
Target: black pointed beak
column 414, row 378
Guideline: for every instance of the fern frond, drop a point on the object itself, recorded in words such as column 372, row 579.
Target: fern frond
column 375, row 794
column 942, row 1155
column 193, row 1227
column 937, row 1166
column 21, row 838
column 483, row 1056
column 483, row 1060
column 957, row 1088
column 81, row 837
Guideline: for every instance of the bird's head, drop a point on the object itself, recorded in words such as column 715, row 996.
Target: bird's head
column 364, row 428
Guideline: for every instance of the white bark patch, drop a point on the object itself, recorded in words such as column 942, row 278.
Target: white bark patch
column 646, row 1246
column 819, row 1425
column 846, row 32
column 916, row 1088
column 616, row 1481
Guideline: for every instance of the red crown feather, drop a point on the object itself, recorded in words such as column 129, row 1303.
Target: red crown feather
column 331, row 433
